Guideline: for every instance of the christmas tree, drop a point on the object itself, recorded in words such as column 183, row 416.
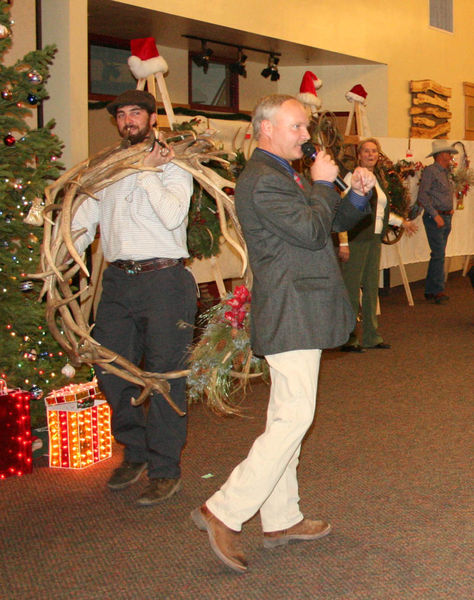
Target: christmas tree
column 29, row 357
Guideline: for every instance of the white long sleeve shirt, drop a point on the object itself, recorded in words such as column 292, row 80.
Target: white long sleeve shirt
column 141, row 216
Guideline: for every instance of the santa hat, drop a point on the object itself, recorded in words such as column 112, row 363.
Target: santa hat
column 145, row 59
column 357, row 94
column 309, row 84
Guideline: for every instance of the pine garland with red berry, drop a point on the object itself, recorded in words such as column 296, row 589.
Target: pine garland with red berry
column 222, row 362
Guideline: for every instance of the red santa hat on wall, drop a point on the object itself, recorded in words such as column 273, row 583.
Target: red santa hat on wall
column 145, row 59
column 307, row 94
column 357, row 94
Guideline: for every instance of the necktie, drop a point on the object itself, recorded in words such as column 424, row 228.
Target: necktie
column 297, row 178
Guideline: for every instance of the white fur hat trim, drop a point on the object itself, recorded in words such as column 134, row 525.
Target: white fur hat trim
column 141, row 69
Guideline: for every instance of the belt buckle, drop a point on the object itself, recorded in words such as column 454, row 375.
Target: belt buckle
column 131, row 267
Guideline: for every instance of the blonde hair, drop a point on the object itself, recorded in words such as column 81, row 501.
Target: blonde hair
column 372, row 140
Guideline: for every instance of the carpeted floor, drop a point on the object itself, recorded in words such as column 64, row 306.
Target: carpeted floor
column 388, row 462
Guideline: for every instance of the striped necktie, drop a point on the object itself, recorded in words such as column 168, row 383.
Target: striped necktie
column 297, row 178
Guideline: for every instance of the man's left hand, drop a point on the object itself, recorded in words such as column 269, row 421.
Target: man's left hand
column 362, row 181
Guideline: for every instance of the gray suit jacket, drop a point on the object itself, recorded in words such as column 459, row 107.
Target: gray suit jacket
column 299, row 300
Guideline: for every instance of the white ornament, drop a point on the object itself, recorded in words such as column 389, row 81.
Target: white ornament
column 68, row 370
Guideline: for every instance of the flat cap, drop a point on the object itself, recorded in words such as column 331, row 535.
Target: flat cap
column 132, row 98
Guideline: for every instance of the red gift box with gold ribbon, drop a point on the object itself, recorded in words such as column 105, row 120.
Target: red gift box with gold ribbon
column 78, row 426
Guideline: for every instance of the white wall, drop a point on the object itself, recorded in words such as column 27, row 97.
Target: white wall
column 337, row 80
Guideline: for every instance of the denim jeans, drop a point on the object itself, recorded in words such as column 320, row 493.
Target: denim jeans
column 437, row 239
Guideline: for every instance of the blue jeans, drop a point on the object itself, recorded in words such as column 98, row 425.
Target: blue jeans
column 437, row 239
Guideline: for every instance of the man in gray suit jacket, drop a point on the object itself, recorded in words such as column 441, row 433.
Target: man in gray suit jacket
column 299, row 307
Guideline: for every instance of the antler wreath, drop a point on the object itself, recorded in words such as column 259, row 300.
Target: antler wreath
column 67, row 314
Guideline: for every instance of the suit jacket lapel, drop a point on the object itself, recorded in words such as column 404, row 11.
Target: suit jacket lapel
column 260, row 156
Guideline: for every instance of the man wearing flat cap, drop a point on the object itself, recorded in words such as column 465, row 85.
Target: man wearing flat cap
column 435, row 195
column 147, row 293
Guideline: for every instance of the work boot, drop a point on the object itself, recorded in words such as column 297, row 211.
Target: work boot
column 125, row 475
column 158, row 490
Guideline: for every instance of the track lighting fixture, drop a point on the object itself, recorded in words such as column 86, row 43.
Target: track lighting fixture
column 239, row 66
column 202, row 59
column 271, row 70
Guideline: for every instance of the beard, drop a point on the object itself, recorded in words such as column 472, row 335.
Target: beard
column 135, row 135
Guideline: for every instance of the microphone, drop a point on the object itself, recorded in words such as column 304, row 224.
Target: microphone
column 310, row 152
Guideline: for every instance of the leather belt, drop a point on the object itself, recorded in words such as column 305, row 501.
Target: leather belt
column 134, row 267
column 445, row 212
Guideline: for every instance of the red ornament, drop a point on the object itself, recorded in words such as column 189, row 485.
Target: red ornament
column 239, row 304
column 234, row 302
column 9, row 140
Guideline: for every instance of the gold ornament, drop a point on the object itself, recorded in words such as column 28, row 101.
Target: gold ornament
column 35, row 214
column 4, row 32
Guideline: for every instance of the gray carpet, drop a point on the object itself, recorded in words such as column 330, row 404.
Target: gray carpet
column 388, row 462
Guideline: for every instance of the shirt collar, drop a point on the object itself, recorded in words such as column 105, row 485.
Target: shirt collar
column 284, row 163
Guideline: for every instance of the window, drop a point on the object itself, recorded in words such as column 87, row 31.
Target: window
column 109, row 74
column 215, row 89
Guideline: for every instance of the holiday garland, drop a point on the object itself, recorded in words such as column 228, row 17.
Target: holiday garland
column 204, row 231
column 222, row 362
column 462, row 176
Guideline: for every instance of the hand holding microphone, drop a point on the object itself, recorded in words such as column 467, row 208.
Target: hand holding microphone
column 323, row 167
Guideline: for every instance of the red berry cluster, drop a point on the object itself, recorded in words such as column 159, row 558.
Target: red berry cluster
column 239, row 304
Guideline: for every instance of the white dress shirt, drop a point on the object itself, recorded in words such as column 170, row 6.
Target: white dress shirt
column 141, row 216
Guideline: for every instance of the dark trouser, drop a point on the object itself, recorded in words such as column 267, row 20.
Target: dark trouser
column 138, row 317
column 362, row 271
column 437, row 239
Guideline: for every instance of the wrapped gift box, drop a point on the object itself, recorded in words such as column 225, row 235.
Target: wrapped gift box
column 15, row 432
column 78, row 426
column 81, row 394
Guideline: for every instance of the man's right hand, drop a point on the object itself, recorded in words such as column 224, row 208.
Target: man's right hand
column 323, row 168
column 160, row 155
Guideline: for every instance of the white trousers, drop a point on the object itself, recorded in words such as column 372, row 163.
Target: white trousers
column 266, row 480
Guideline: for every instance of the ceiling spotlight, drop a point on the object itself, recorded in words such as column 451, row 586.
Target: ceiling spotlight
column 239, row 66
column 202, row 58
column 271, row 70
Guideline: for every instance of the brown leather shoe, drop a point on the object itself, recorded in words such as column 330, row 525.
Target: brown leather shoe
column 304, row 530
column 224, row 541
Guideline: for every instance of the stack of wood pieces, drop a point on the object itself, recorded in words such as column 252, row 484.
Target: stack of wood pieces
column 430, row 115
